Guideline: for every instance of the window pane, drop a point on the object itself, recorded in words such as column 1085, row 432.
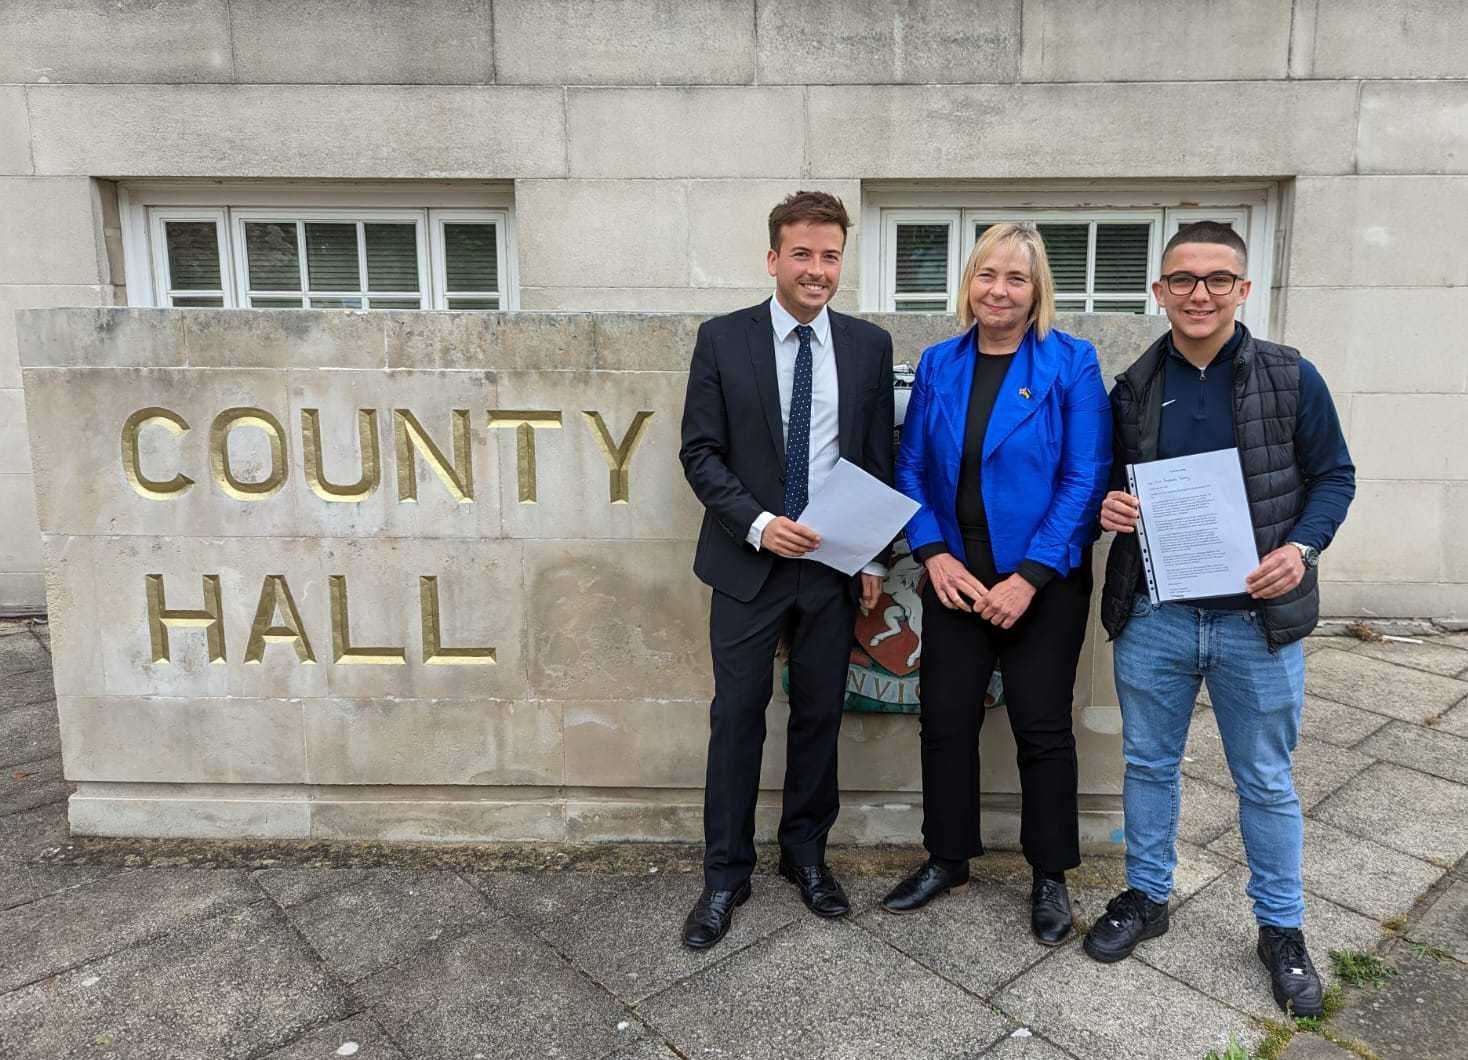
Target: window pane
column 1129, row 306
column 274, row 261
column 474, row 303
column 392, row 257
column 331, row 257
column 393, row 303
column 275, row 303
column 924, row 305
column 207, row 303
column 922, row 259
column 1121, row 257
column 193, row 256
column 336, row 303
column 470, row 258
column 1071, row 305
column 1065, row 246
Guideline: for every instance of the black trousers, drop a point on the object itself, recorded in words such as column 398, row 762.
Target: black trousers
column 813, row 606
column 1038, row 656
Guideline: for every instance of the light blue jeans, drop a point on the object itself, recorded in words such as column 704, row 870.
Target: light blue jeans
column 1161, row 658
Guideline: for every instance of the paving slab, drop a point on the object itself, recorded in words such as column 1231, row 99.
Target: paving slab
column 1401, row 808
column 230, row 986
column 1409, row 1017
column 1208, row 810
column 1319, row 768
column 88, row 922
column 1105, row 1011
column 1325, row 719
column 1314, row 1047
column 1210, row 944
column 360, row 930
column 27, row 785
column 1445, row 923
column 646, row 1049
column 29, row 731
column 21, row 654
column 808, row 991
column 1024, row 1044
column 978, row 938
column 26, row 835
column 1449, row 660
column 30, row 687
column 1426, row 750
column 626, row 933
column 1454, row 720
column 1367, row 877
column 499, row 992
column 359, row 1037
column 22, row 884
column 1370, row 684
column 291, row 887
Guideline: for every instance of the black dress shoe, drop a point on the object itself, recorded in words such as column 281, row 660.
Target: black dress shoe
column 927, row 883
column 709, row 920
column 819, row 889
column 1131, row 917
column 1291, row 974
column 1050, row 918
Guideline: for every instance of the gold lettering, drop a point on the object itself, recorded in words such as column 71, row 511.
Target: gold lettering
column 161, row 619
column 153, row 489
column 341, row 634
column 409, row 435
column 219, row 463
column 366, row 443
column 525, row 424
column 434, row 653
column 618, row 455
column 275, row 595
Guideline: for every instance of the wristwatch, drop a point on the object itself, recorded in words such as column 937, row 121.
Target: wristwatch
column 1311, row 556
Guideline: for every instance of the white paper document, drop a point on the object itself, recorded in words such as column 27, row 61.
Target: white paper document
column 1196, row 535
column 856, row 515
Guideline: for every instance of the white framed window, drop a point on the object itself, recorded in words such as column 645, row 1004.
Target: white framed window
column 318, row 247
column 1104, row 245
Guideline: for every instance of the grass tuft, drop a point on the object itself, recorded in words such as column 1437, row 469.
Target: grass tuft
column 1357, row 968
column 1423, row 949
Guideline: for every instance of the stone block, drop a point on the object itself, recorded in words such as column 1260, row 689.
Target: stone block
column 627, row 232
column 71, row 590
column 20, row 547
column 14, row 441
column 15, row 132
column 571, row 491
column 174, row 811
column 269, row 338
column 1071, row 131
column 658, row 342
column 361, row 930
column 729, row 229
column 638, row 743
column 97, row 41
column 652, row 816
column 888, row 42
column 1373, row 531
column 1347, row 332
column 1150, row 40
column 47, row 232
column 1456, row 560
column 314, row 131
column 1380, row 687
column 636, row 42
column 1350, row 871
column 1377, row 230
column 411, row 815
column 1127, row 1009
column 1422, row 39
column 363, row 41
column 183, row 740
column 626, row 621
column 1410, row 436
column 491, row 341
column 686, row 131
column 809, row 969
column 1409, row 811
column 705, row 301
column 1425, row 750
column 1414, row 127
column 1386, row 599
column 336, row 1039
column 30, row 296
column 231, row 985
column 104, row 337
column 444, row 741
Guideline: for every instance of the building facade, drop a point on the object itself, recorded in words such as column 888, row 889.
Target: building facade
column 621, row 155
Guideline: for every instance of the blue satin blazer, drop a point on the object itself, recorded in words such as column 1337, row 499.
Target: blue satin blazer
column 1046, row 456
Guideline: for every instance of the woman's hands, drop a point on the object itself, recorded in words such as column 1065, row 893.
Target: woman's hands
column 1006, row 603
column 952, row 583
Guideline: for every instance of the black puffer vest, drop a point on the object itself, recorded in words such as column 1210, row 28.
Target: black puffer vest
column 1266, row 398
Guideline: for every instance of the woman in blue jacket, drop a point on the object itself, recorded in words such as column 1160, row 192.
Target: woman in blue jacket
column 1006, row 446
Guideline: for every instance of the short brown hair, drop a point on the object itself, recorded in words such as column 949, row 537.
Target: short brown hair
column 818, row 207
column 1210, row 232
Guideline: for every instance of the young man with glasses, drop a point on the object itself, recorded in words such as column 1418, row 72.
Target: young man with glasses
column 1209, row 384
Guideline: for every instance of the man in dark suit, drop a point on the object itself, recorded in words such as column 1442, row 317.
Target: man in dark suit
column 777, row 394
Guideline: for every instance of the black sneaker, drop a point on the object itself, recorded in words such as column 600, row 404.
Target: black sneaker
column 1293, row 978
column 1131, row 917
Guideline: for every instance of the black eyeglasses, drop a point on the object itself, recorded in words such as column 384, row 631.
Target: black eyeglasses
column 1182, row 284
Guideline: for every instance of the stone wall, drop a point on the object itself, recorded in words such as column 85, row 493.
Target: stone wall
column 645, row 141
column 244, row 642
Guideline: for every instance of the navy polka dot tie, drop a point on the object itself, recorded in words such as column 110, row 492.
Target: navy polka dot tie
column 797, row 435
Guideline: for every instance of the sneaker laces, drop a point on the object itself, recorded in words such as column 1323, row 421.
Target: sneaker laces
column 1130, row 904
column 1291, row 952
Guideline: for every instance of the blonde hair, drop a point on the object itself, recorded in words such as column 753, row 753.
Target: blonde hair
column 1024, row 234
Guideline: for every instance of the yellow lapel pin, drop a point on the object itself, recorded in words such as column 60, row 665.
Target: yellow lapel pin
column 1024, row 392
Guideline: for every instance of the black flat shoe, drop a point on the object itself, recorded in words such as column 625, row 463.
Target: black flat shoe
column 1050, row 917
column 819, row 889
column 1131, row 917
column 927, row 883
column 709, row 920
column 1292, row 976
